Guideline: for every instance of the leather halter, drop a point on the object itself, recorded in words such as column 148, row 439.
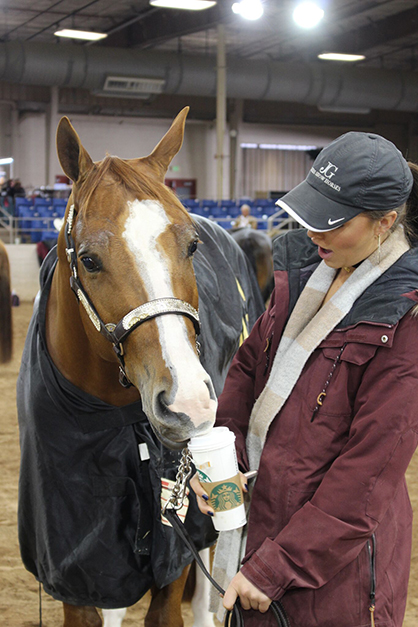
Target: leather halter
column 117, row 333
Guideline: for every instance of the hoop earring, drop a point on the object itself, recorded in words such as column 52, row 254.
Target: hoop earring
column 378, row 248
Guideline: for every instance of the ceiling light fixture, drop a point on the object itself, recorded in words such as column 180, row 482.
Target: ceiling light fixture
column 190, row 5
column 308, row 15
column 248, row 9
column 340, row 56
column 80, row 34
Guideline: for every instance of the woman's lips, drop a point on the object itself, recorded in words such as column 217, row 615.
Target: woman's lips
column 324, row 253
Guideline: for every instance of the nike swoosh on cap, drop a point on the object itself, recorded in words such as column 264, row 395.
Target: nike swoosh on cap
column 331, row 222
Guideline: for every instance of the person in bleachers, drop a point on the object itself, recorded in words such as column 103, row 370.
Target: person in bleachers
column 18, row 190
column 11, row 190
column 245, row 220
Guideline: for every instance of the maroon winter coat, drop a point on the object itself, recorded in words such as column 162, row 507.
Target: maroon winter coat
column 330, row 498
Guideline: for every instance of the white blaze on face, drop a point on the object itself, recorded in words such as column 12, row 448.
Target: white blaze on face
column 147, row 220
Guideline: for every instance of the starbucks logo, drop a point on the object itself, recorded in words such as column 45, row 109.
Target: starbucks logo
column 225, row 496
column 203, row 477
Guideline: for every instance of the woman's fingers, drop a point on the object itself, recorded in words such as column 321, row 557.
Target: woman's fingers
column 250, row 596
column 202, row 497
column 230, row 597
column 244, row 482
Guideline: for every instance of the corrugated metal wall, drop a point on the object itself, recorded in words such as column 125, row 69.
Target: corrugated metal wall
column 273, row 170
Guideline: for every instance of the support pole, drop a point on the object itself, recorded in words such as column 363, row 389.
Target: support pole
column 220, row 110
column 234, row 151
column 50, row 129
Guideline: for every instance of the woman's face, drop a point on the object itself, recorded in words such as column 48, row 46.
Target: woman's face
column 352, row 242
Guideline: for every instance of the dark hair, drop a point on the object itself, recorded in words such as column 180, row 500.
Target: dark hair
column 407, row 213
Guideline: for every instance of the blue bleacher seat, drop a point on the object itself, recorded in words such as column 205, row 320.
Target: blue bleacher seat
column 235, row 213
column 44, row 210
column 197, row 211
column 21, row 203
column 36, row 223
column 216, row 212
column 228, row 203
column 208, row 204
column 59, row 202
column 190, row 203
column 270, row 209
column 25, row 212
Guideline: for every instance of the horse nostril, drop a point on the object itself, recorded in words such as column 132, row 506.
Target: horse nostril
column 162, row 404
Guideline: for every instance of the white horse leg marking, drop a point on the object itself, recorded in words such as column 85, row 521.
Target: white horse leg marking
column 192, row 391
column 200, row 600
column 113, row 618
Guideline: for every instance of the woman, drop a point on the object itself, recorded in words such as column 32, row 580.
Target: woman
column 323, row 400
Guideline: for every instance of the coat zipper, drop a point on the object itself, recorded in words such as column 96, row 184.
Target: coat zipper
column 371, row 548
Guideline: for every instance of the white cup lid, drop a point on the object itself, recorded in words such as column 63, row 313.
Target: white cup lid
column 218, row 437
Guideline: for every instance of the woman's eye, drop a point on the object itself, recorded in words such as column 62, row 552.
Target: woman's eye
column 192, row 248
column 89, row 264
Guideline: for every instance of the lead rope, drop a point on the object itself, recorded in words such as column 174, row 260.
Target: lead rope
column 233, row 618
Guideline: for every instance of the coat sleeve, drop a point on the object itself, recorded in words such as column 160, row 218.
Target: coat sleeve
column 329, row 531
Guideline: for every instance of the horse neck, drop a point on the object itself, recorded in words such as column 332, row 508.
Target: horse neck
column 71, row 351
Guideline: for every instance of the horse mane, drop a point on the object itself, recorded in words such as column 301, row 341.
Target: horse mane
column 113, row 170
column 5, row 308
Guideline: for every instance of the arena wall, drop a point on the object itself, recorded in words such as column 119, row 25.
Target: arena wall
column 24, row 270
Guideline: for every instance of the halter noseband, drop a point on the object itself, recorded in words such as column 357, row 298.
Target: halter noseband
column 117, row 333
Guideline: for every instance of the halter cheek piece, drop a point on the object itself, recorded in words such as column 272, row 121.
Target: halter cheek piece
column 117, row 333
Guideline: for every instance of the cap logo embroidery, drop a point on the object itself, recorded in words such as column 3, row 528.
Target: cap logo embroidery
column 329, row 170
column 331, row 222
column 325, row 174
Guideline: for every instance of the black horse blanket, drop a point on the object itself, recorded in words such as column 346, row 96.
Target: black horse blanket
column 90, row 526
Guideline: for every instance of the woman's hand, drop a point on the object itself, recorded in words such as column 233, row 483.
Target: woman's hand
column 250, row 596
column 202, row 497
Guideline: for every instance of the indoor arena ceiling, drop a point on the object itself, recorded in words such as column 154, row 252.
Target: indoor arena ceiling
column 385, row 31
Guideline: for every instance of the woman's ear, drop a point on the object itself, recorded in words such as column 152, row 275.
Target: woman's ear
column 386, row 223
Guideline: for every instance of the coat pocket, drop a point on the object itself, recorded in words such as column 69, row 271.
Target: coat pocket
column 341, row 370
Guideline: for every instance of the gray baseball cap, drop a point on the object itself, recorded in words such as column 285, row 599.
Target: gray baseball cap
column 356, row 173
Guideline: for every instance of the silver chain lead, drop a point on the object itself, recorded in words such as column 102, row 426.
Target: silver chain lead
column 183, row 474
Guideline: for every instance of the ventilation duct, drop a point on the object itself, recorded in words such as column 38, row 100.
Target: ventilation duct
column 323, row 85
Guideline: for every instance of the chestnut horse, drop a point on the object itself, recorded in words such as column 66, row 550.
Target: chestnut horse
column 5, row 307
column 97, row 456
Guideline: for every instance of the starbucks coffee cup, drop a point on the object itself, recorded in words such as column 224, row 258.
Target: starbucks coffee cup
column 215, row 458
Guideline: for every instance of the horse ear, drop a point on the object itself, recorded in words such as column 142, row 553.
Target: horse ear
column 168, row 147
column 74, row 158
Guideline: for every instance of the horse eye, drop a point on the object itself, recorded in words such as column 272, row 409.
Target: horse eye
column 89, row 264
column 192, row 248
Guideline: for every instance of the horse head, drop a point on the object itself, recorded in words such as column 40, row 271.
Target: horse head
column 126, row 247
